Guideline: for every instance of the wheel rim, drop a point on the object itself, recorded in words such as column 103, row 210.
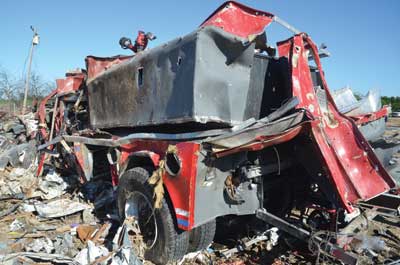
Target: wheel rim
column 139, row 212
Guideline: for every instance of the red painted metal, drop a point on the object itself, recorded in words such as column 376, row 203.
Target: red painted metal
column 362, row 119
column 239, row 19
column 155, row 149
column 181, row 188
column 114, row 175
column 42, row 159
column 140, row 42
column 70, row 84
column 80, row 162
column 262, row 142
column 42, row 114
column 350, row 162
column 97, row 65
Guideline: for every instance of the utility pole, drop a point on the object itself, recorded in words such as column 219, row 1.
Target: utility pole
column 35, row 41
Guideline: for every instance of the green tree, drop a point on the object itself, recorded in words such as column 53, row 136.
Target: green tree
column 393, row 101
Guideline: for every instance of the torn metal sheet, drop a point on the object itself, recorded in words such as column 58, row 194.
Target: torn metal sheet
column 146, row 136
column 247, row 135
column 345, row 100
column 368, row 104
column 239, row 19
column 366, row 112
column 347, row 103
column 351, row 163
column 96, row 65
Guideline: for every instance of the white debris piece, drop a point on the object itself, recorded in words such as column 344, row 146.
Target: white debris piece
column 18, row 181
column 31, row 124
column 26, row 207
column 88, row 255
column 40, row 245
column 52, row 186
column 17, row 172
column 194, row 257
column 59, row 208
column 16, row 225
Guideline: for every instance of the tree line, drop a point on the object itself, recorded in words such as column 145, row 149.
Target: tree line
column 12, row 89
column 393, row 101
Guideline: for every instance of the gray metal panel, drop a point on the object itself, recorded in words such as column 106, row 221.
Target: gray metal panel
column 116, row 100
column 222, row 77
column 345, row 100
column 373, row 130
column 210, row 201
column 202, row 77
column 256, row 86
column 370, row 103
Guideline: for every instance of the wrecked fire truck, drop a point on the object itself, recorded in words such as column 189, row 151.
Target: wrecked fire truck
column 214, row 124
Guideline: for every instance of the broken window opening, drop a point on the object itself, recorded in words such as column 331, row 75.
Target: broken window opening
column 139, row 77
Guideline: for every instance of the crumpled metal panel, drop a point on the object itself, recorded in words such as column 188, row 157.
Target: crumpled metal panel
column 202, row 77
column 349, row 160
column 345, row 100
column 370, row 103
column 239, row 19
column 255, row 131
column 97, row 65
column 367, row 112
column 70, row 84
column 347, row 103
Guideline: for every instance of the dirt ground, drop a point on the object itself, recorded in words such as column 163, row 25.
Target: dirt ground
column 393, row 122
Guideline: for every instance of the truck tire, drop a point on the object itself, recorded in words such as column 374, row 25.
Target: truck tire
column 167, row 243
column 201, row 237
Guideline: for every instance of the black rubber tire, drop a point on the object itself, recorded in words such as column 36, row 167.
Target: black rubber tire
column 201, row 237
column 171, row 244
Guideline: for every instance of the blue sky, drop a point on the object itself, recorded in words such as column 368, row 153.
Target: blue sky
column 362, row 36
